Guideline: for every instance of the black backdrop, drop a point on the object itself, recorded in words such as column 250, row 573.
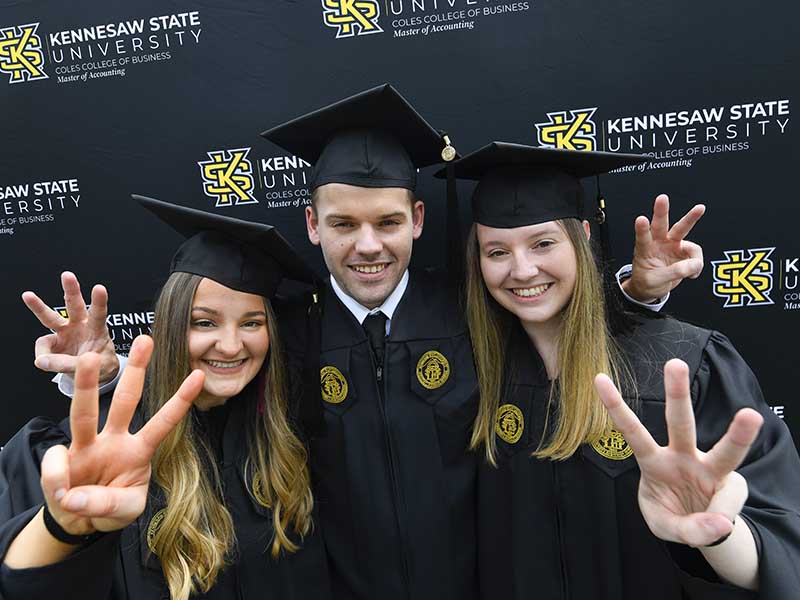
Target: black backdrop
column 101, row 99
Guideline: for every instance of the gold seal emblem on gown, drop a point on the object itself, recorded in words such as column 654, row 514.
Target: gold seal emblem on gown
column 509, row 423
column 613, row 446
column 433, row 370
column 334, row 385
column 152, row 528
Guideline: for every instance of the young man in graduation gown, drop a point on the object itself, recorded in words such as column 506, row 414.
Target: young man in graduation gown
column 394, row 480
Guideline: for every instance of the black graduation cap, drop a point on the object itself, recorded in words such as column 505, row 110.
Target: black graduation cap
column 242, row 255
column 522, row 185
column 372, row 139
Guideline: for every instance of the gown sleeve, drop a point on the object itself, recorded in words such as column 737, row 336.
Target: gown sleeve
column 86, row 574
column 723, row 385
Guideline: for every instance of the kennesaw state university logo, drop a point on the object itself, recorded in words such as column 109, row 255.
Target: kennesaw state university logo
column 352, row 17
column 21, row 54
column 744, row 277
column 228, row 177
column 574, row 132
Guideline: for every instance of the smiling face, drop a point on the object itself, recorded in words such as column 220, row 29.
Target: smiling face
column 228, row 340
column 530, row 271
column 366, row 235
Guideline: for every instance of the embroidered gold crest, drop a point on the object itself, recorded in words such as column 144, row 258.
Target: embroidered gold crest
column 613, row 446
column 509, row 423
column 334, row 385
column 258, row 490
column 433, row 370
column 152, row 528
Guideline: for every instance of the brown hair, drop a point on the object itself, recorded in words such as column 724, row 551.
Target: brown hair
column 196, row 535
column 585, row 348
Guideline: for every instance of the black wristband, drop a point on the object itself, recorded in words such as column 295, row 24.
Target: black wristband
column 58, row 532
column 724, row 537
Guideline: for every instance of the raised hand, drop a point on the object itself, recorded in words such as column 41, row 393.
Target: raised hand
column 100, row 482
column 84, row 331
column 662, row 257
column 685, row 495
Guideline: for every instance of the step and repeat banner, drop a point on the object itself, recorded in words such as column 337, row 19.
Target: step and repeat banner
column 101, row 99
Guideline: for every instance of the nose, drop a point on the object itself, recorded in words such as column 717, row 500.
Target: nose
column 229, row 342
column 524, row 267
column 368, row 241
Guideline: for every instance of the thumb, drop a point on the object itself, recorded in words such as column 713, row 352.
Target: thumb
column 688, row 267
column 121, row 505
column 55, row 474
column 57, row 363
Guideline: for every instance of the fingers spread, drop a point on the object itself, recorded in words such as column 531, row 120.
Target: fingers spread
column 678, row 409
column 55, row 473
column 76, row 305
column 660, row 222
column 129, row 389
column 46, row 315
column 98, row 311
column 682, row 228
column 84, row 407
column 729, row 452
column 626, row 422
column 169, row 415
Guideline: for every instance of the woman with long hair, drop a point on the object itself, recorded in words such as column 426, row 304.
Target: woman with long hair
column 566, row 456
column 209, row 501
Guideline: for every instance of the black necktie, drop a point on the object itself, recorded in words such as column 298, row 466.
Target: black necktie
column 375, row 327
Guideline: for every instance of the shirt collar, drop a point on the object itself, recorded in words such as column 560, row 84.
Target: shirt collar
column 360, row 312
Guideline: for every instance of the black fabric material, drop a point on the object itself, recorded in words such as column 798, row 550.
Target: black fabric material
column 243, row 255
column 522, row 185
column 394, row 481
column 372, row 139
column 120, row 565
column 572, row 529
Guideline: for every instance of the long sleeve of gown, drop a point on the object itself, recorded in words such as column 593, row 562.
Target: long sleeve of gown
column 85, row 575
column 724, row 384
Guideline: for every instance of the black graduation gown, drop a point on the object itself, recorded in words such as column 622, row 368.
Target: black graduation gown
column 119, row 565
column 394, row 481
column 573, row 530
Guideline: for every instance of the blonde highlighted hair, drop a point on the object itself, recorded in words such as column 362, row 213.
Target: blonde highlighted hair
column 196, row 536
column 585, row 348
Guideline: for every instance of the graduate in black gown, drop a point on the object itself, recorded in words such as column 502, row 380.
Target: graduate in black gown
column 211, row 500
column 584, row 493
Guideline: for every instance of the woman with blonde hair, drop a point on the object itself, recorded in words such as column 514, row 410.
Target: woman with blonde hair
column 212, row 501
column 567, row 456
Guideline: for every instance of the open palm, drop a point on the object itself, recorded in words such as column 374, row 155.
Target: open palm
column 685, row 495
column 100, row 482
column 84, row 331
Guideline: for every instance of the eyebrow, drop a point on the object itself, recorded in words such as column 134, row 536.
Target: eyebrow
column 538, row 234
column 394, row 215
column 252, row 313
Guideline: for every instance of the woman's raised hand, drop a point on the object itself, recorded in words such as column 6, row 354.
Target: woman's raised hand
column 100, row 482
column 685, row 495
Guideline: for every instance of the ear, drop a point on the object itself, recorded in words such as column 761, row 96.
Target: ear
column 586, row 228
column 417, row 218
column 312, row 225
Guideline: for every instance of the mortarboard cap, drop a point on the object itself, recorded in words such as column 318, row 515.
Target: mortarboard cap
column 372, row 139
column 242, row 255
column 522, row 185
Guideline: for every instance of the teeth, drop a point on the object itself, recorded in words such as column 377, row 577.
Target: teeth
column 225, row 365
column 369, row 268
column 529, row 292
